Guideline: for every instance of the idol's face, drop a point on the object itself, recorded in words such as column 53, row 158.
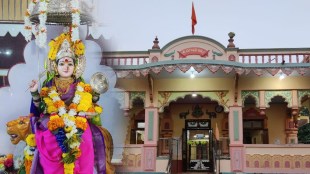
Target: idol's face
column 65, row 67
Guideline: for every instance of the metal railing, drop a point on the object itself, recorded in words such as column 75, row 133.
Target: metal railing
column 169, row 147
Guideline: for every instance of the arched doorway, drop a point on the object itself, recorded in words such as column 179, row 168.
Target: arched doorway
column 194, row 151
column 255, row 130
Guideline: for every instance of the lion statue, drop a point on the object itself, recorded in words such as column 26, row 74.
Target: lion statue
column 19, row 129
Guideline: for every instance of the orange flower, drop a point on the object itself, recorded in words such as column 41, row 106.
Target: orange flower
column 87, row 88
column 51, row 125
column 91, row 109
column 80, row 123
column 55, row 124
column 59, row 104
column 28, row 165
column 44, row 92
column 9, row 156
column 72, row 106
column 77, row 152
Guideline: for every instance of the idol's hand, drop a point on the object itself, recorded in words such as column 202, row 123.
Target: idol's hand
column 33, row 87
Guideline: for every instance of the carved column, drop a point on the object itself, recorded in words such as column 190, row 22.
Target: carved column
column 236, row 138
column 150, row 139
column 291, row 127
column 225, row 134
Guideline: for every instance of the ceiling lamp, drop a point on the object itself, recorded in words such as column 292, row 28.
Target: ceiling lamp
column 192, row 75
column 282, row 75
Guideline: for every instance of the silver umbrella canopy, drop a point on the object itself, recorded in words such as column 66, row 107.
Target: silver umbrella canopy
column 59, row 12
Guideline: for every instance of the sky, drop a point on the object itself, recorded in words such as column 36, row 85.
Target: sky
column 132, row 25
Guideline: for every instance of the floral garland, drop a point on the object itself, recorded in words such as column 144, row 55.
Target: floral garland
column 28, row 25
column 29, row 151
column 68, row 126
column 75, row 6
column 6, row 163
column 40, row 31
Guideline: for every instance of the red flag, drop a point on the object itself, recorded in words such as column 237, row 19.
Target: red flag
column 194, row 20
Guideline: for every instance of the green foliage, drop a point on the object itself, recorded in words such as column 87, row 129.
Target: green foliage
column 304, row 134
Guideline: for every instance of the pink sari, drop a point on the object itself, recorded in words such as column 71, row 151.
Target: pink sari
column 50, row 153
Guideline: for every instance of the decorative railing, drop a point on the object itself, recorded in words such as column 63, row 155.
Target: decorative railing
column 248, row 58
column 13, row 11
column 267, row 158
column 274, row 58
column 119, row 61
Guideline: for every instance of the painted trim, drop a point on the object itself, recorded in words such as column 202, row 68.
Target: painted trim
column 194, row 37
column 236, row 125
column 151, row 126
column 254, row 94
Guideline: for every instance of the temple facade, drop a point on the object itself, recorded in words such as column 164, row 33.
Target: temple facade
column 197, row 105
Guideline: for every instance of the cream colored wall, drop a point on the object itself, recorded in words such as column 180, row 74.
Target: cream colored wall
column 272, row 83
column 277, row 113
column 196, row 84
column 178, row 84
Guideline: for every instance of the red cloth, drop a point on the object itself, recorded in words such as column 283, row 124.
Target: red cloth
column 194, row 20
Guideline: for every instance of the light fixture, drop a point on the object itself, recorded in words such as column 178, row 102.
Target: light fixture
column 194, row 95
column 192, row 75
column 8, row 52
column 282, row 76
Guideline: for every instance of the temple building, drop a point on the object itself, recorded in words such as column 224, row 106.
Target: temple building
column 197, row 105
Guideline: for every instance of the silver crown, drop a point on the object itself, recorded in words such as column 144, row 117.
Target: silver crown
column 65, row 50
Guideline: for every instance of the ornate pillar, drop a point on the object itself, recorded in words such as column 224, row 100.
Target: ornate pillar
column 236, row 139
column 291, row 127
column 225, row 134
column 150, row 139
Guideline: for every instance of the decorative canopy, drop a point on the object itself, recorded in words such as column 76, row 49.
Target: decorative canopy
column 59, row 12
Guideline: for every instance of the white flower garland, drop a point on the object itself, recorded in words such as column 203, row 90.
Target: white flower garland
column 42, row 27
column 40, row 31
column 75, row 6
column 67, row 116
column 28, row 25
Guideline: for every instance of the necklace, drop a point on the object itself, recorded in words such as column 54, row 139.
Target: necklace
column 63, row 85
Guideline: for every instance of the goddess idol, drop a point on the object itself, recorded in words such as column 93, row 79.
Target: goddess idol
column 66, row 117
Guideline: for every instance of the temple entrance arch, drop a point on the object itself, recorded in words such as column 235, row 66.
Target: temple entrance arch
column 195, row 151
column 166, row 97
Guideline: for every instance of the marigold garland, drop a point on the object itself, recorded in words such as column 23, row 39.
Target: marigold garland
column 67, row 122
column 29, row 151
